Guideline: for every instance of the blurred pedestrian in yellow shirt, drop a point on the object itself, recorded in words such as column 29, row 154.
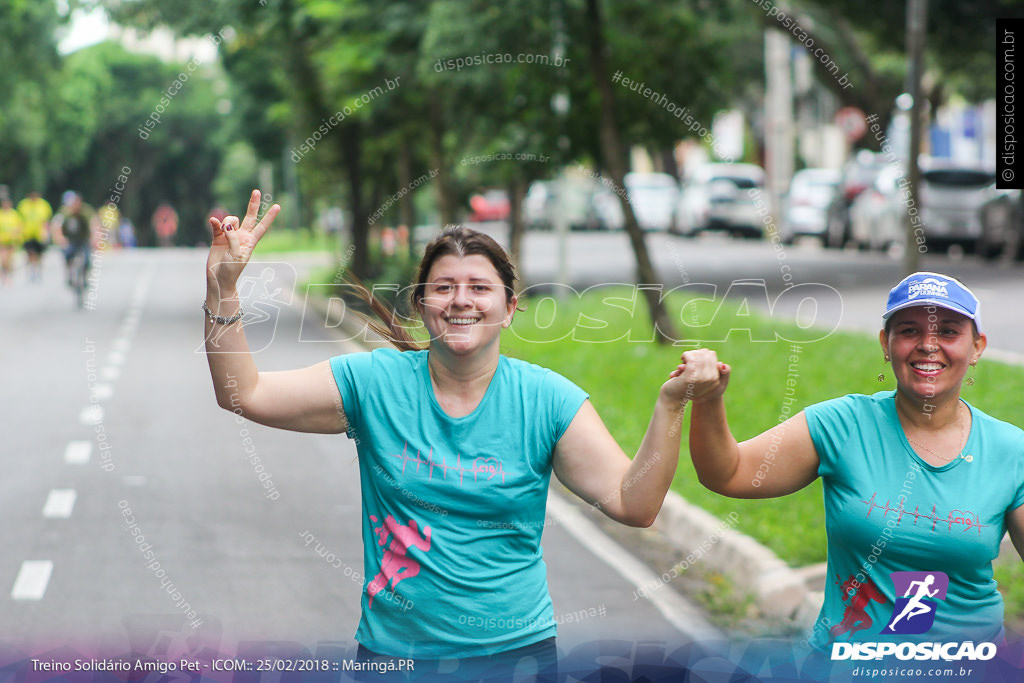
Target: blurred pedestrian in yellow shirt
column 36, row 213
column 10, row 236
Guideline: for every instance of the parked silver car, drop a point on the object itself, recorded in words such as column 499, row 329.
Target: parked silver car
column 951, row 194
column 1002, row 224
column 948, row 202
column 722, row 197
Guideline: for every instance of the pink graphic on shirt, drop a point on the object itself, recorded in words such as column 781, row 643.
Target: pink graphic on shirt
column 859, row 595
column 483, row 469
column 397, row 565
column 969, row 520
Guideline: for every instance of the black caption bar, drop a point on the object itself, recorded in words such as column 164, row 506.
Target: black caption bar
column 1009, row 135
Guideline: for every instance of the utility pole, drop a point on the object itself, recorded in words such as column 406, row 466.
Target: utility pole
column 779, row 135
column 560, row 106
column 917, row 18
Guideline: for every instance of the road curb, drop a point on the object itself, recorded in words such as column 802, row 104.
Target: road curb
column 778, row 590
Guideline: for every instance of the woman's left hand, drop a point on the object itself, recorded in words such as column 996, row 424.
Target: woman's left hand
column 699, row 377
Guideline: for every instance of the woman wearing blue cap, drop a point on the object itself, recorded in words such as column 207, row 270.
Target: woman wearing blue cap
column 919, row 486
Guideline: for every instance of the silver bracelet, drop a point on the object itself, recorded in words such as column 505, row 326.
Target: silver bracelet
column 221, row 319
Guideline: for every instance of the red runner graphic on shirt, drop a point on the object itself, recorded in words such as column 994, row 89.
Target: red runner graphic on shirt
column 483, row 469
column 396, row 565
column 859, row 595
column 968, row 519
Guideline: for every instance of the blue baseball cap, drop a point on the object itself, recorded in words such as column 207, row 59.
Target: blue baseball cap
column 933, row 289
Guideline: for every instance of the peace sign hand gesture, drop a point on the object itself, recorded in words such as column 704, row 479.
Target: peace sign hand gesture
column 233, row 243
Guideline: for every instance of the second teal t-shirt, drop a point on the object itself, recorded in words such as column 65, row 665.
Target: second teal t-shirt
column 887, row 510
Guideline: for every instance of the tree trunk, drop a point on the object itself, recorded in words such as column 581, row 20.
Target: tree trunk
column 352, row 150
column 406, row 208
column 516, row 228
column 346, row 138
column 614, row 156
column 667, row 158
column 445, row 196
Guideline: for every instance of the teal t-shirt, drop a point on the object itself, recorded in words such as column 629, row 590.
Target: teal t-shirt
column 453, row 508
column 887, row 510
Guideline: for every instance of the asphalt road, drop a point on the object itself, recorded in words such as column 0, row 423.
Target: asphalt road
column 112, row 433
column 134, row 518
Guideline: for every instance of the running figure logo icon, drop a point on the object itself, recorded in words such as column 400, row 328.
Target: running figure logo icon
column 914, row 613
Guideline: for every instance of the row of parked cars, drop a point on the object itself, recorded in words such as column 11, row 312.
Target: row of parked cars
column 715, row 197
column 957, row 204
column 864, row 204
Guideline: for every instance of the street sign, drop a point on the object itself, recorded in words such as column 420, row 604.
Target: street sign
column 852, row 122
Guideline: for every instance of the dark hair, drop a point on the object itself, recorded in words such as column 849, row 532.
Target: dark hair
column 455, row 240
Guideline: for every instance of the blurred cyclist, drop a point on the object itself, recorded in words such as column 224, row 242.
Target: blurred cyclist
column 36, row 212
column 74, row 228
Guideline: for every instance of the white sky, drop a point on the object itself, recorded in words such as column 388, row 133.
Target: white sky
column 86, row 29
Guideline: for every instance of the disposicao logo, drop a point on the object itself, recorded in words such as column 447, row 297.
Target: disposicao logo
column 919, row 598
column 914, row 613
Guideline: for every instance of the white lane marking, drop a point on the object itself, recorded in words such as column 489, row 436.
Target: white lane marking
column 110, row 373
column 33, row 577
column 91, row 415
column 103, row 392
column 59, row 504
column 77, row 452
column 122, row 344
column 680, row 613
column 115, row 358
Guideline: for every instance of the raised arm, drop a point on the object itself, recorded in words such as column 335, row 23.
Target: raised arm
column 774, row 463
column 592, row 465
column 303, row 400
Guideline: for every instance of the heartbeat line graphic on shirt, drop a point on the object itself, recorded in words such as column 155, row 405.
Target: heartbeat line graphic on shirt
column 968, row 519
column 482, row 469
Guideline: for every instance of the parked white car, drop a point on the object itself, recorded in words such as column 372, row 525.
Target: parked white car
column 877, row 214
column 568, row 199
column 806, row 204
column 722, row 197
column 653, row 197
